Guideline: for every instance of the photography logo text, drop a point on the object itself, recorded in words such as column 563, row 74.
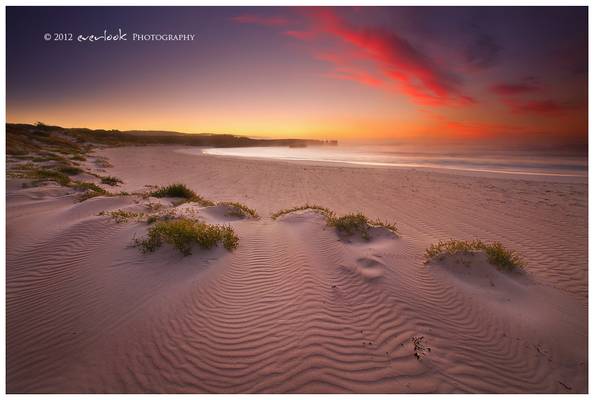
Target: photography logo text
column 118, row 36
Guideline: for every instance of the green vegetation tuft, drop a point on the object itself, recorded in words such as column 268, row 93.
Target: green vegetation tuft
column 183, row 233
column 182, row 191
column 120, row 216
column 359, row 223
column 348, row 224
column 497, row 254
column 111, row 180
column 69, row 170
column 102, row 162
column 239, row 210
column 351, row 224
column 90, row 190
column 322, row 210
column 40, row 175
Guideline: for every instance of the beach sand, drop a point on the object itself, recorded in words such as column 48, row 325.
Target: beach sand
column 297, row 308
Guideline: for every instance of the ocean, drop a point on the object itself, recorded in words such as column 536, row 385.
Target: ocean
column 508, row 162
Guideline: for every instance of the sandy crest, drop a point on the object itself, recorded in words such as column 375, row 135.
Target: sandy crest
column 295, row 309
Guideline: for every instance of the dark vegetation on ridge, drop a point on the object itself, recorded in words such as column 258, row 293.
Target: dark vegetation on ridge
column 21, row 139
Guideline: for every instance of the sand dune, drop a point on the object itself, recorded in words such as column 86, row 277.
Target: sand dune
column 296, row 307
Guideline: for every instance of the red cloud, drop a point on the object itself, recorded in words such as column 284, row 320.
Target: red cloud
column 477, row 129
column 509, row 92
column 415, row 73
column 510, row 89
column 542, row 107
column 264, row 21
column 400, row 65
column 346, row 69
column 468, row 128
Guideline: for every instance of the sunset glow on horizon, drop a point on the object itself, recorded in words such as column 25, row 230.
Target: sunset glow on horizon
column 505, row 74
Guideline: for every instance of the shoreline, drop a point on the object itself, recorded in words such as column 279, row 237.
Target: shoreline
column 488, row 173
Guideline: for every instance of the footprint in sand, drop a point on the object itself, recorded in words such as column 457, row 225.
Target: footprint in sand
column 370, row 269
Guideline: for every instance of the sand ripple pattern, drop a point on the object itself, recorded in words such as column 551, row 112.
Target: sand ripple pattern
column 294, row 309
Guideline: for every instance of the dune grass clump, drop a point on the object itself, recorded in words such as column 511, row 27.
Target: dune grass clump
column 497, row 254
column 120, row 216
column 111, row 180
column 319, row 209
column 41, row 175
column 69, row 170
column 102, row 162
column 90, row 190
column 348, row 224
column 182, row 191
column 38, row 176
column 48, row 156
column 359, row 223
column 183, row 233
column 59, row 173
column 239, row 210
column 351, row 224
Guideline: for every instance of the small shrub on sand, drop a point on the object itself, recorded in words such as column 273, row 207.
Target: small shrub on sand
column 78, row 158
column 352, row 223
column 69, row 170
column 50, row 175
column 319, row 209
column 59, row 174
column 348, row 224
column 183, row 233
column 182, row 191
column 90, row 190
column 497, row 254
column 120, row 216
column 47, row 156
column 88, row 186
column 102, row 162
column 239, row 210
column 111, row 180
column 359, row 223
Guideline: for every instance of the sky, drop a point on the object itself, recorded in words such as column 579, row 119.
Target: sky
column 511, row 75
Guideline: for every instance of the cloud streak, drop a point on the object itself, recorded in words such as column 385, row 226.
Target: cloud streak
column 417, row 76
column 511, row 89
column 396, row 64
column 513, row 95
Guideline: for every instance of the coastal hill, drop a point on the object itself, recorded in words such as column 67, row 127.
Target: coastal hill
column 22, row 138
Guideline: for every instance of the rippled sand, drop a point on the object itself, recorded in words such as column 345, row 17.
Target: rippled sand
column 295, row 308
